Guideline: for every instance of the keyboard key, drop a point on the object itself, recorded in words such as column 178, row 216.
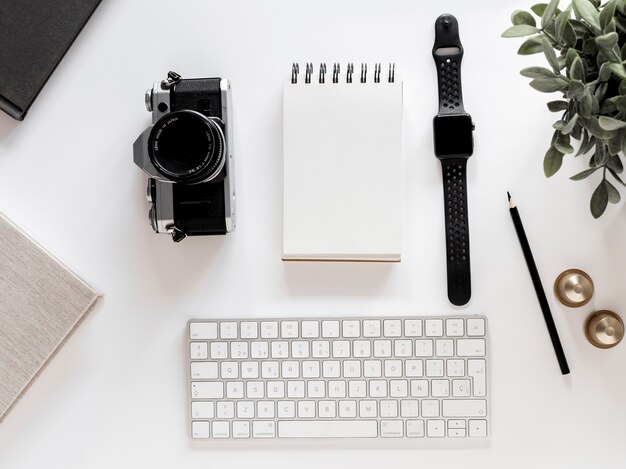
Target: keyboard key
column 327, row 409
column 331, row 369
column 352, row 369
column 357, row 388
column 207, row 390
column 259, row 350
column 393, row 368
column 476, row 327
column 241, row 429
column 316, row 389
column 454, row 327
column 336, row 389
column 362, row 349
column 382, row 348
column 435, row 428
column 289, row 329
column 413, row 327
column 419, row 388
column 476, row 370
column 470, row 347
column 234, row 390
column 230, row 370
column 245, row 409
column 225, row 410
column 392, row 428
column 403, row 348
column 460, row 387
column 310, row 329
column 290, row 369
column 203, row 370
column 388, row 408
column 378, row 388
column 440, row 388
column 306, row 409
column 341, row 349
column 371, row 328
column 455, row 367
column 430, row 408
column 409, row 408
column 477, row 428
column 415, row 428
column 286, row 409
column 265, row 409
column 280, row 349
column 295, row 389
column 255, row 389
column 300, row 349
column 202, row 410
column 249, row 330
column 264, row 429
column 392, row 328
column 269, row 330
column 434, row 327
column 221, row 429
column 320, row 349
column 347, row 409
column 330, row 329
column 423, row 348
column 249, row 370
column 413, row 368
column 464, row 408
column 199, row 350
column 219, row 350
column 310, row 369
column 351, row 329
column 270, row 370
column 368, row 409
column 372, row 368
column 275, row 389
column 202, row 330
column 200, row 429
column 228, row 330
column 434, row 368
column 444, row 348
column 328, row 429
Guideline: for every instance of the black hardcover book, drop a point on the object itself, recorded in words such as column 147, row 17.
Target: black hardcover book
column 34, row 36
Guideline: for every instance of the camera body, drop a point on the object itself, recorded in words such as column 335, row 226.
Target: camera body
column 187, row 153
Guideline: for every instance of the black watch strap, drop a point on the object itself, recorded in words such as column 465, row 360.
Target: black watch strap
column 448, row 53
column 457, row 230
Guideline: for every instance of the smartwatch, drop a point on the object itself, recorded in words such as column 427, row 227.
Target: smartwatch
column 454, row 144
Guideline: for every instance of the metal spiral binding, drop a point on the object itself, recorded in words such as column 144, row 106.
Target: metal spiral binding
column 322, row 72
column 295, row 69
column 295, row 72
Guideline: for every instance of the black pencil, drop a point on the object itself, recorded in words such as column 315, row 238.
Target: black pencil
column 541, row 295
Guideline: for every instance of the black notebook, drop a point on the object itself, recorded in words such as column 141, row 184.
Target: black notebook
column 34, row 36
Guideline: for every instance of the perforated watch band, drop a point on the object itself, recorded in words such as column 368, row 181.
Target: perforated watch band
column 448, row 53
column 457, row 230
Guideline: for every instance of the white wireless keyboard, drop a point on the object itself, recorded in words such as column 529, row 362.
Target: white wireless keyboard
column 412, row 377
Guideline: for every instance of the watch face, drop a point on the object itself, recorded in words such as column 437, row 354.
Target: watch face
column 453, row 135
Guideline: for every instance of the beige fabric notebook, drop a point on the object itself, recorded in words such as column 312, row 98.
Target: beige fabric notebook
column 41, row 302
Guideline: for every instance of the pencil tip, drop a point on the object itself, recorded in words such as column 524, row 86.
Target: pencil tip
column 508, row 195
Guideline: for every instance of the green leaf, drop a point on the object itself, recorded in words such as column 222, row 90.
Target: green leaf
column 552, row 161
column 539, row 9
column 537, row 72
column 556, row 106
column 615, row 163
column 576, row 88
column 608, row 123
column 549, row 12
column 531, row 46
column 585, row 105
column 561, row 23
column 606, row 44
column 614, row 144
column 605, row 72
column 588, row 12
column 618, row 70
column 599, row 200
column 570, row 125
column 549, row 85
column 577, row 71
column 562, row 144
column 583, row 174
column 613, row 193
column 523, row 17
column 593, row 126
column 569, row 35
column 548, row 51
column 570, row 56
column 617, row 178
column 607, row 13
column 520, row 30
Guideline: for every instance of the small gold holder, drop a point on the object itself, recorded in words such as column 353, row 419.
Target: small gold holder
column 604, row 329
column 573, row 288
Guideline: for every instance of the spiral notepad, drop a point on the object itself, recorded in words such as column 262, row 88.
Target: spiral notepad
column 342, row 164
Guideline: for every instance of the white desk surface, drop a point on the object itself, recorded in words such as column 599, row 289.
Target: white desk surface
column 115, row 395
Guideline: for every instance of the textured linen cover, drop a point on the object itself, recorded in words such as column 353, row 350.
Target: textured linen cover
column 41, row 302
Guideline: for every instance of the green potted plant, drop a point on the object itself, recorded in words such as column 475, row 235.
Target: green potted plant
column 585, row 47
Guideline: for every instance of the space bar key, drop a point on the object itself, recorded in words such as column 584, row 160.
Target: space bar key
column 327, row 429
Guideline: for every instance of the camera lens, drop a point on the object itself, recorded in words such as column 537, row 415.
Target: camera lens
column 187, row 147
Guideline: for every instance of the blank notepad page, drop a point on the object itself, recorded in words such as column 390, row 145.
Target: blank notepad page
column 342, row 171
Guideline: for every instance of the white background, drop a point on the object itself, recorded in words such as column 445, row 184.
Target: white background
column 115, row 395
